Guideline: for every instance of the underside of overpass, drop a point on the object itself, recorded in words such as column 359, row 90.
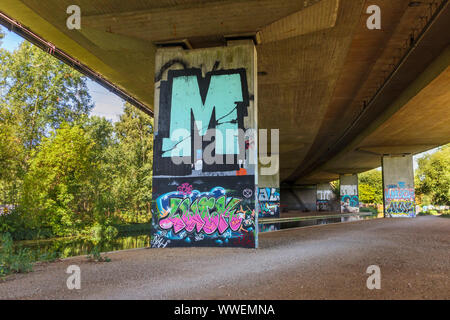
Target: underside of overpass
column 342, row 95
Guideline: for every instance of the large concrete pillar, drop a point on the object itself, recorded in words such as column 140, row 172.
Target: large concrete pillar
column 325, row 198
column 205, row 163
column 349, row 193
column 398, row 184
column 269, row 188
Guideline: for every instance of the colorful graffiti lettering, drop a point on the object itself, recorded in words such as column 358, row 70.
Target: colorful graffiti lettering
column 349, row 199
column 323, row 205
column 399, row 194
column 400, row 200
column 206, row 212
column 269, row 202
column 323, row 200
column 190, row 105
column 400, row 208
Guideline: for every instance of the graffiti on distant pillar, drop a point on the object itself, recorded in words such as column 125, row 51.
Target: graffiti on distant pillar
column 323, row 200
column 349, row 199
column 399, row 200
column 269, row 202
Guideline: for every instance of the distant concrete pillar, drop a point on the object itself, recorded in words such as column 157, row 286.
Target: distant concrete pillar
column 269, row 187
column 205, row 163
column 325, row 197
column 349, row 193
column 398, row 184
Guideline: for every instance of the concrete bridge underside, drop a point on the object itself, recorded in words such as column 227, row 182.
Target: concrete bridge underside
column 342, row 95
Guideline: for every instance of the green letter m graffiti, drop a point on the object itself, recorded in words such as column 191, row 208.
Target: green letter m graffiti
column 219, row 101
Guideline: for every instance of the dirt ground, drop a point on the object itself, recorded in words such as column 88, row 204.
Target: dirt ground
column 324, row 262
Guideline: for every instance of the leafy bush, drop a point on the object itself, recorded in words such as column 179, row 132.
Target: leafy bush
column 11, row 262
column 96, row 255
column 101, row 233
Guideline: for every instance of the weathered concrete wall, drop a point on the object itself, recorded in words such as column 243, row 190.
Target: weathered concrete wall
column 349, row 193
column 204, row 169
column 326, row 199
column 299, row 198
column 398, row 184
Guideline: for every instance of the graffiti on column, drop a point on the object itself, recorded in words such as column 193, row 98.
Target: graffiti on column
column 220, row 216
column 349, row 199
column 323, row 200
column 197, row 202
column 269, row 202
column 190, row 106
column 399, row 200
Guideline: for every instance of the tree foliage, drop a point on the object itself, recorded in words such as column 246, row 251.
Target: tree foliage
column 57, row 185
column 433, row 176
column 371, row 187
column 38, row 93
column 64, row 170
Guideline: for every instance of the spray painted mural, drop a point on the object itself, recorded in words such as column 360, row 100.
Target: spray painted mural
column 198, row 116
column 324, row 197
column 203, row 182
column 187, row 212
column 399, row 201
column 269, row 202
column 349, row 199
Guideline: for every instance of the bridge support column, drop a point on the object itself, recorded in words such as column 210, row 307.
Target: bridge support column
column 205, row 163
column 326, row 199
column 349, row 193
column 269, row 188
column 398, row 184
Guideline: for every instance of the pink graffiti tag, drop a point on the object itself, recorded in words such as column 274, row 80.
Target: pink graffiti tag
column 185, row 189
column 209, row 224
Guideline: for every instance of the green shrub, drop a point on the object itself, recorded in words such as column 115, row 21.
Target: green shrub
column 96, row 255
column 101, row 233
column 11, row 262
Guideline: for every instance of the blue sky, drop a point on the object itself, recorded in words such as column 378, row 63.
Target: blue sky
column 107, row 104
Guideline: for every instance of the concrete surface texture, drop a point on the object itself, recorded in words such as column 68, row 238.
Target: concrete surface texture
column 327, row 262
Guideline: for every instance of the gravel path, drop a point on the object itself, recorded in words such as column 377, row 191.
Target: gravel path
column 326, row 262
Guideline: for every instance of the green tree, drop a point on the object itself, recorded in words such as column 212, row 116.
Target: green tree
column 371, row 187
column 101, row 131
column 56, row 187
column 433, row 176
column 38, row 94
column 11, row 152
column 133, row 160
